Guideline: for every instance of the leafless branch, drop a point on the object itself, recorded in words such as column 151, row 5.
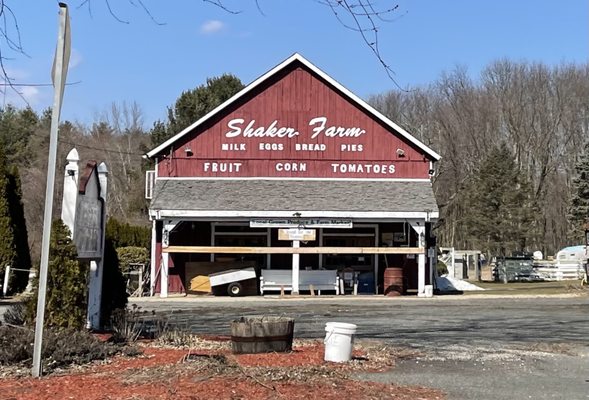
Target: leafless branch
column 220, row 4
column 8, row 21
column 146, row 11
column 363, row 14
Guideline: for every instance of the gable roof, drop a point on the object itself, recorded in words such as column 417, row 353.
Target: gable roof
column 294, row 58
column 216, row 197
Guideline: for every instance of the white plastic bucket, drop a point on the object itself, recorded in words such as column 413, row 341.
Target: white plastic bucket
column 339, row 341
column 429, row 291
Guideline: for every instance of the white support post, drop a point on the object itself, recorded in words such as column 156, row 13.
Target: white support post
column 70, row 190
column 453, row 263
column 431, row 254
column 421, row 275
column 164, row 275
column 213, row 229
column 59, row 78
column 6, row 279
column 419, row 228
column 94, row 295
column 96, row 266
column 169, row 226
column 320, row 245
column 153, row 264
column 269, row 244
column 295, row 269
column 376, row 256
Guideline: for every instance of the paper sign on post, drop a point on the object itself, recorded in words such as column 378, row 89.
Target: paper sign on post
column 304, row 235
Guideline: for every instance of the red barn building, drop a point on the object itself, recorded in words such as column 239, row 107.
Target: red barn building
column 294, row 149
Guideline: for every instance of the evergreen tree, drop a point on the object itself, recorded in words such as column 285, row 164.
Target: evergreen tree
column 500, row 214
column 114, row 284
column 578, row 211
column 22, row 259
column 7, row 244
column 16, row 129
column 124, row 234
column 194, row 104
column 66, row 299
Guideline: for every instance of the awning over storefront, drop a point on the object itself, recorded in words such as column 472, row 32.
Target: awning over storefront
column 276, row 198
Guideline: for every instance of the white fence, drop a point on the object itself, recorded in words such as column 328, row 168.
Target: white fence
column 552, row 271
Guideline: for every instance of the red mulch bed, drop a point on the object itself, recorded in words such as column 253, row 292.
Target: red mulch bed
column 164, row 373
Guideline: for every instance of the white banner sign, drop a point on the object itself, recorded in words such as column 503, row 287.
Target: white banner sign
column 300, row 223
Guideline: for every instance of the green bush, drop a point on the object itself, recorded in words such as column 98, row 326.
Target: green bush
column 66, row 302
column 124, row 234
column 132, row 255
column 114, row 285
column 441, row 268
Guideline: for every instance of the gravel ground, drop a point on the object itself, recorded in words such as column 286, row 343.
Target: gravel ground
column 482, row 372
column 470, row 347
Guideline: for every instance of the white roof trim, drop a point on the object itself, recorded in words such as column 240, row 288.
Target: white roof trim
column 161, row 214
column 287, row 178
column 273, row 71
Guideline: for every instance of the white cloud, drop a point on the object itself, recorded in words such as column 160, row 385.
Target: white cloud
column 21, row 96
column 212, row 26
column 15, row 75
column 75, row 59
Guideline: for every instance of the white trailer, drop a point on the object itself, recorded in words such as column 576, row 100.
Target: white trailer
column 234, row 279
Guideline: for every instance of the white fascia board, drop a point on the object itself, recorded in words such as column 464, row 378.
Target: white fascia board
column 323, row 75
column 369, row 108
column 235, row 97
column 162, row 214
column 288, row 178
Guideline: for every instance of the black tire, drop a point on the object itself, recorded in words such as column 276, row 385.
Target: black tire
column 235, row 289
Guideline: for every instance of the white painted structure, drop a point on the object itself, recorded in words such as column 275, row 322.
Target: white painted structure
column 87, row 224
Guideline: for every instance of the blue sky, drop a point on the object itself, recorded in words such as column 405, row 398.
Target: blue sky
column 152, row 64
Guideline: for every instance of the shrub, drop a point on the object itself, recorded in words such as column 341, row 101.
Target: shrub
column 61, row 347
column 126, row 325
column 66, row 283
column 441, row 268
column 15, row 314
column 114, row 286
column 132, row 255
column 124, row 234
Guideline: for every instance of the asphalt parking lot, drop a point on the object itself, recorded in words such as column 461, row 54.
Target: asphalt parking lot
column 471, row 347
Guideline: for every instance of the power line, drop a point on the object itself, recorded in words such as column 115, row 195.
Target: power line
column 101, row 149
column 106, row 150
column 6, row 83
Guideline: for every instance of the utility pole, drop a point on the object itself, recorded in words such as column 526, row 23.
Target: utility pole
column 59, row 73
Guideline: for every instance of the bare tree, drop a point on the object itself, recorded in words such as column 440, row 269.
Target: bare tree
column 542, row 113
column 361, row 16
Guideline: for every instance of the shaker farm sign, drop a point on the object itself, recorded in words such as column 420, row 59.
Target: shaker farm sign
column 274, row 130
column 318, row 124
column 315, row 148
column 294, row 125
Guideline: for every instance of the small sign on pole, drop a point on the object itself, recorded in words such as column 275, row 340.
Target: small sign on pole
column 59, row 73
column 305, row 235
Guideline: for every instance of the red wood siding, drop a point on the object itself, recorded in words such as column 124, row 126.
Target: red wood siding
column 293, row 99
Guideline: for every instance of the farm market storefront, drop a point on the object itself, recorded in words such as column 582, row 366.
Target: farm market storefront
column 302, row 181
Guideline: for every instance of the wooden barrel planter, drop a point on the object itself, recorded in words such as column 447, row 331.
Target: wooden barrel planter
column 393, row 282
column 262, row 335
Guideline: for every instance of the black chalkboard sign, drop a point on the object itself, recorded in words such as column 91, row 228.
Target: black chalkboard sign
column 88, row 227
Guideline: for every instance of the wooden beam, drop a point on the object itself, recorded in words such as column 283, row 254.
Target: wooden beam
column 293, row 250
